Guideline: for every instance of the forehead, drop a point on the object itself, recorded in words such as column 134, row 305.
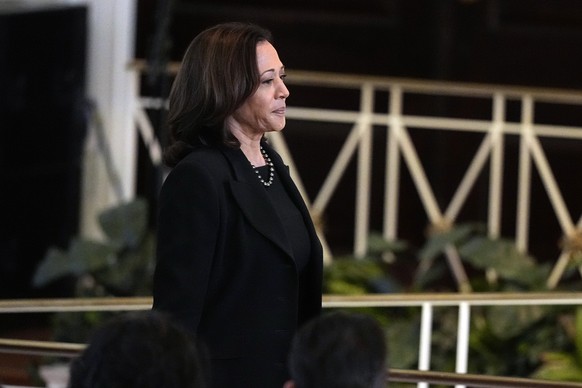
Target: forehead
column 267, row 57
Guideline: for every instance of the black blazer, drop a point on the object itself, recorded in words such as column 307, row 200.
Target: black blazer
column 225, row 268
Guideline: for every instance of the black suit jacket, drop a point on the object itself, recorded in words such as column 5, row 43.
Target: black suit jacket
column 225, row 267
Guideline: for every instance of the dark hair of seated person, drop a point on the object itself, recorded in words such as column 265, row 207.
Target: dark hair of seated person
column 140, row 349
column 339, row 350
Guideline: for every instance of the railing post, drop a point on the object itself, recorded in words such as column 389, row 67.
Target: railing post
column 392, row 164
column 524, row 184
column 463, row 328
column 496, row 172
column 364, row 171
column 425, row 340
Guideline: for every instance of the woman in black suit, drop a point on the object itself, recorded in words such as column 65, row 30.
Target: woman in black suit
column 239, row 263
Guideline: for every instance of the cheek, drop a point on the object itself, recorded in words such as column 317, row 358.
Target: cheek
column 246, row 112
column 258, row 108
column 259, row 101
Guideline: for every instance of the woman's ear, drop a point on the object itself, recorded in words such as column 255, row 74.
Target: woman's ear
column 289, row 384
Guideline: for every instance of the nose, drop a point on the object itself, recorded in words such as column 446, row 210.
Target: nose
column 283, row 91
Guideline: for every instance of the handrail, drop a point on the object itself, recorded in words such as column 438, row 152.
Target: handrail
column 71, row 350
column 472, row 380
column 40, row 348
column 75, row 304
column 329, row 301
column 454, row 299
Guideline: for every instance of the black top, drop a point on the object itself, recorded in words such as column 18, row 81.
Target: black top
column 291, row 219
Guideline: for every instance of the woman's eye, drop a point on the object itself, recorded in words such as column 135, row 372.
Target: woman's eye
column 268, row 81
column 283, row 76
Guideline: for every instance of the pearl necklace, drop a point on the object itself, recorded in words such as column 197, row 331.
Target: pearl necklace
column 271, row 169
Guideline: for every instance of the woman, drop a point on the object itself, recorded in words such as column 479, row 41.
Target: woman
column 238, row 260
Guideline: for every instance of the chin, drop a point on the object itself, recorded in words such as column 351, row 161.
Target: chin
column 277, row 128
column 281, row 126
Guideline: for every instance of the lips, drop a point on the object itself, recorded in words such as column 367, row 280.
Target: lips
column 280, row 111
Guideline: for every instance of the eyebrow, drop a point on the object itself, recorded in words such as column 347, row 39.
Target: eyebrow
column 269, row 70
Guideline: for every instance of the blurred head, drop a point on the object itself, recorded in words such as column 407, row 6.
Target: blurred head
column 219, row 72
column 144, row 350
column 339, row 350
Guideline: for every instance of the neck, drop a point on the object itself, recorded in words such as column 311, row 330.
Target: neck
column 250, row 143
column 252, row 150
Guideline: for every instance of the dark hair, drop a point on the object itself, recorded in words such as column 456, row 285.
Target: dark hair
column 339, row 350
column 218, row 73
column 144, row 350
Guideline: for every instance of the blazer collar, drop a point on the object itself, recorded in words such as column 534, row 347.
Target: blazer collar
column 253, row 200
column 283, row 174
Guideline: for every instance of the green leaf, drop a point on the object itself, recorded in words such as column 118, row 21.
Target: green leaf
column 510, row 321
column 558, row 366
column 423, row 279
column 501, row 255
column 83, row 256
column 578, row 336
column 129, row 276
column 437, row 243
column 126, row 224
column 340, row 287
column 377, row 244
column 92, row 255
column 400, row 335
column 55, row 265
column 345, row 274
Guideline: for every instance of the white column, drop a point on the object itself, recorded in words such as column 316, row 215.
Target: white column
column 110, row 86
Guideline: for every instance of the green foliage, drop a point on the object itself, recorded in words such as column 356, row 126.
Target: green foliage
column 346, row 276
column 564, row 365
column 122, row 265
column 437, row 242
column 495, row 264
column 400, row 334
column 543, row 342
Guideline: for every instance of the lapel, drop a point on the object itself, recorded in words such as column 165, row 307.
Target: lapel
column 253, row 201
column 283, row 173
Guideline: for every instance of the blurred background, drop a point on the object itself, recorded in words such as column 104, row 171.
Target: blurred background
column 58, row 57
